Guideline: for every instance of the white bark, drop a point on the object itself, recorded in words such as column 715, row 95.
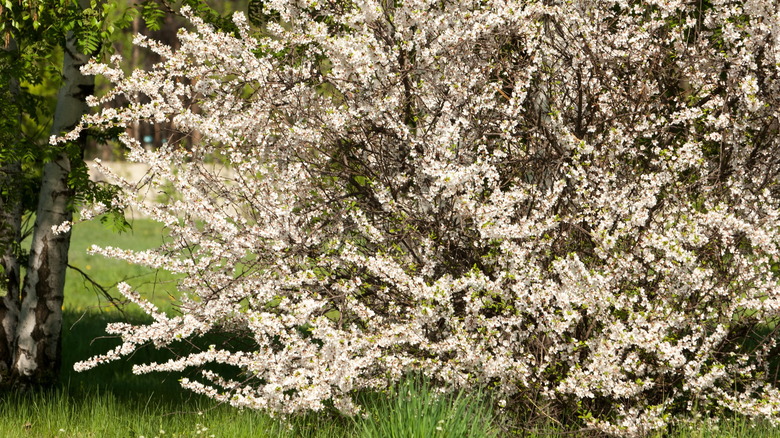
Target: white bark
column 38, row 335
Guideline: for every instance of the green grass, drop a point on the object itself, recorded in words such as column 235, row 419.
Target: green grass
column 81, row 294
column 412, row 410
column 99, row 413
column 109, row 401
column 728, row 428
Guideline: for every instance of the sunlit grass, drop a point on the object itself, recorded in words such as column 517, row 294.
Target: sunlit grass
column 728, row 428
column 412, row 409
column 100, row 413
column 82, row 294
column 110, row 401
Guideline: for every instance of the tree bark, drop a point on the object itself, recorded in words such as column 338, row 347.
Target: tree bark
column 10, row 236
column 38, row 334
column 10, row 222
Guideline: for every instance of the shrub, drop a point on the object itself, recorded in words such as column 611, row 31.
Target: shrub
column 573, row 203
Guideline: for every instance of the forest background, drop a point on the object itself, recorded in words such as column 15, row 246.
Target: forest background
column 44, row 93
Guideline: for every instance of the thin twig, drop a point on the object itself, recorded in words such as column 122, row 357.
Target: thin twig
column 116, row 303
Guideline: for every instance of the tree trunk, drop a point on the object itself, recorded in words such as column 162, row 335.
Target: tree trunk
column 38, row 334
column 10, row 221
column 10, row 236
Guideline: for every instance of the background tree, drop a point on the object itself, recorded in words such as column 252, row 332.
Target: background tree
column 30, row 32
column 44, row 179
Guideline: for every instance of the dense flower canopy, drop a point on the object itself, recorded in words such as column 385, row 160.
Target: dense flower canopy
column 575, row 203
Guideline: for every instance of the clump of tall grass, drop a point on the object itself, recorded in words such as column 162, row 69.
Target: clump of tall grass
column 413, row 409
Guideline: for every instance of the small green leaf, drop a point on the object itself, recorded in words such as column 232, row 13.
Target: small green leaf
column 333, row 315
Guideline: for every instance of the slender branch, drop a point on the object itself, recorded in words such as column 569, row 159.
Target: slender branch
column 115, row 302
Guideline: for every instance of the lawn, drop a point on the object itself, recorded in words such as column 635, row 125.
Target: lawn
column 109, row 401
column 81, row 294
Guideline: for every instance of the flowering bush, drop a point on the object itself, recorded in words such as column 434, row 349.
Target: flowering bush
column 576, row 203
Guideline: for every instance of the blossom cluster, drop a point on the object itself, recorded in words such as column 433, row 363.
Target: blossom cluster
column 575, row 203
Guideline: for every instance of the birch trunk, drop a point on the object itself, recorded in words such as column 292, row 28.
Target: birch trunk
column 10, row 235
column 10, row 225
column 38, row 334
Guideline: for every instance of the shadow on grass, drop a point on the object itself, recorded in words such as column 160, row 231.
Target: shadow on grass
column 109, row 401
column 84, row 336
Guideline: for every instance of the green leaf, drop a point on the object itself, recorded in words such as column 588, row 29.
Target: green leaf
column 152, row 15
column 333, row 315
